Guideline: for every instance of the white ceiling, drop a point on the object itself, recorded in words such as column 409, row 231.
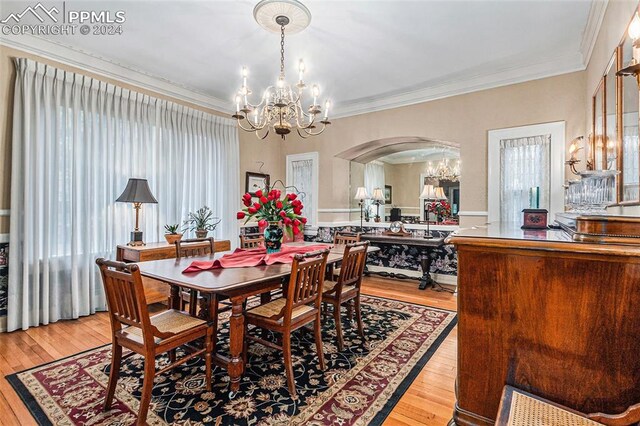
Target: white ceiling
column 365, row 55
column 435, row 153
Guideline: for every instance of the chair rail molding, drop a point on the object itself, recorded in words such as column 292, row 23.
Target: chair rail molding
column 472, row 213
column 6, row 212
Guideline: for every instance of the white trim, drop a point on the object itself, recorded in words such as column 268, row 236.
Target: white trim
column 556, row 161
column 337, row 224
column 440, row 278
column 313, row 208
column 339, row 210
column 4, row 238
column 592, row 29
column 472, row 213
column 517, row 73
column 5, row 212
column 107, row 68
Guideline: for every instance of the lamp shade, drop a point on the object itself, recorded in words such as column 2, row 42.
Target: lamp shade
column 378, row 194
column 361, row 193
column 137, row 191
column 428, row 192
column 440, row 193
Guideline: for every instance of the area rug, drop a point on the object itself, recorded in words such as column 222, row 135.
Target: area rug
column 359, row 385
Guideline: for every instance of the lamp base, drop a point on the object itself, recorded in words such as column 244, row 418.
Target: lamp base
column 136, row 239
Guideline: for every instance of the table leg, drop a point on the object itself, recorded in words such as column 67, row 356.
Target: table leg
column 174, row 297
column 236, row 344
column 426, row 280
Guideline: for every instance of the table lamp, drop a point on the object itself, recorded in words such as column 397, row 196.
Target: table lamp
column 428, row 193
column 361, row 195
column 439, row 193
column 137, row 192
column 378, row 197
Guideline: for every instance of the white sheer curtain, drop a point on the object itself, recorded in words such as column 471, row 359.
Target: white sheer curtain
column 76, row 142
column 374, row 178
column 302, row 178
column 524, row 164
column 631, row 169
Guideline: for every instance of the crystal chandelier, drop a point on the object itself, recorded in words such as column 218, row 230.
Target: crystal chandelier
column 443, row 171
column 281, row 107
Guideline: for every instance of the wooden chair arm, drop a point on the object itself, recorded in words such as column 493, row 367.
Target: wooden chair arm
column 630, row 416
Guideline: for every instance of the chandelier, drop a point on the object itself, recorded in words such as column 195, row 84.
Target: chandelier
column 281, row 107
column 443, row 171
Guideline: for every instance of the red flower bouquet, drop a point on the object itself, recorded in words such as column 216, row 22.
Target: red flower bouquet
column 440, row 208
column 272, row 207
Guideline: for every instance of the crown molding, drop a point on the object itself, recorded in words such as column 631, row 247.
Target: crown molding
column 518, row 73
column 105, row 67
column 592, row 29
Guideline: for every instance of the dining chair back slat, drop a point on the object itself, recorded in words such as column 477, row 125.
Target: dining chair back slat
column 125, row 295
column 305, row 282
column 344, row 238
column 353, row 262
column 251, row 241
column 195, row 247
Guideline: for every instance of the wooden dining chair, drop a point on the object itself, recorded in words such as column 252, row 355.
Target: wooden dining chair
column 342, row 239
column 346, row 290
column 134, row 329
column 520, row 408
column 190, row 248
column 299, row 307
column 251, row 241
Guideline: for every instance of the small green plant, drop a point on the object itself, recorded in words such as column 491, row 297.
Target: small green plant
column 202, row 220
column 172, row 229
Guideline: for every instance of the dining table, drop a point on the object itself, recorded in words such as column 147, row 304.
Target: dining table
column 236, row 284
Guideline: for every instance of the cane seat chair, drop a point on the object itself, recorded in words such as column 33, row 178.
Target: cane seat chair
column 342, row 239
column 251, row 241
column 520, row 408
column 133, row 328
column 299, row 306
column 346, row 290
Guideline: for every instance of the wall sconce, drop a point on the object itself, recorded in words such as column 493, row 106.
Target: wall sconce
column 574, row 147
column 634, row 34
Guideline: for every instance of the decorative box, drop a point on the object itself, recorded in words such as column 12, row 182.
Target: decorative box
column 535, row 219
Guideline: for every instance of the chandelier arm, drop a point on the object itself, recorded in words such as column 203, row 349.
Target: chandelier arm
column 250, row 129
column 312, row 133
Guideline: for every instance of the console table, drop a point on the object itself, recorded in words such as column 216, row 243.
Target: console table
column 426, row 245
column 154, row 290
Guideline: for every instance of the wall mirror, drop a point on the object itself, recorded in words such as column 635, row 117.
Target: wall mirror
column 597, row 143
column 401, row 176
column 630, row 176
column 611, row 114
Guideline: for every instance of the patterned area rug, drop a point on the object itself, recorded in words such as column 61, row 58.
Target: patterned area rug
column 359, row 386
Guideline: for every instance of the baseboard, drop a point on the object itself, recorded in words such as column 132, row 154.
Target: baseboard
column 440, row 278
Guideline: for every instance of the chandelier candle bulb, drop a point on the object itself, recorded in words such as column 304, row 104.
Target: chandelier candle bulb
column 327, row 105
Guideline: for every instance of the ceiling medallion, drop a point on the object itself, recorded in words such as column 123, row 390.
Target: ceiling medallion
column 280, row 108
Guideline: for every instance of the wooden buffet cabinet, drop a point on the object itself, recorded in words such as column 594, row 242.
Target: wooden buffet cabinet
column 550, row 316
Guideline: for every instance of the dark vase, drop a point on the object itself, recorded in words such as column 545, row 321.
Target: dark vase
column 273, row 237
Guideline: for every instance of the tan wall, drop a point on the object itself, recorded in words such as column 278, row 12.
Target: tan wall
column 251, row 148
column 464, row 119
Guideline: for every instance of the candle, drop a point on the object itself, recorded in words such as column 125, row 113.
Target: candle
column 327, row 105
column 316, row 92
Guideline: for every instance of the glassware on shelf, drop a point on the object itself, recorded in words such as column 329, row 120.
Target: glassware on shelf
column 592, row 193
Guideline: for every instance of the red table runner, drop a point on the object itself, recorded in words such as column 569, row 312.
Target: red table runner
column 243, row 258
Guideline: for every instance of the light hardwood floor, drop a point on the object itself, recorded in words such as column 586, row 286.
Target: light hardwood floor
column 428, row 401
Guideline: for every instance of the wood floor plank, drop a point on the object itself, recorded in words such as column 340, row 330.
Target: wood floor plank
column 429, row 401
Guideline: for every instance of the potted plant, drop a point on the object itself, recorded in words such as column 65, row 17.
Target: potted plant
column 172, row 235
column 201, row 221
column 278, row 212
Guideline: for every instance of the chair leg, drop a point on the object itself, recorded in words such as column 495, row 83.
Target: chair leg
column 147, row 387
column 172, row 356
column 338, row 321
column 359, row 317
column 207, row 357
column 245, row 344
column 317, row 328
column 350, row 310
column 213, row 315
column 288, row 364
column 116, row 357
